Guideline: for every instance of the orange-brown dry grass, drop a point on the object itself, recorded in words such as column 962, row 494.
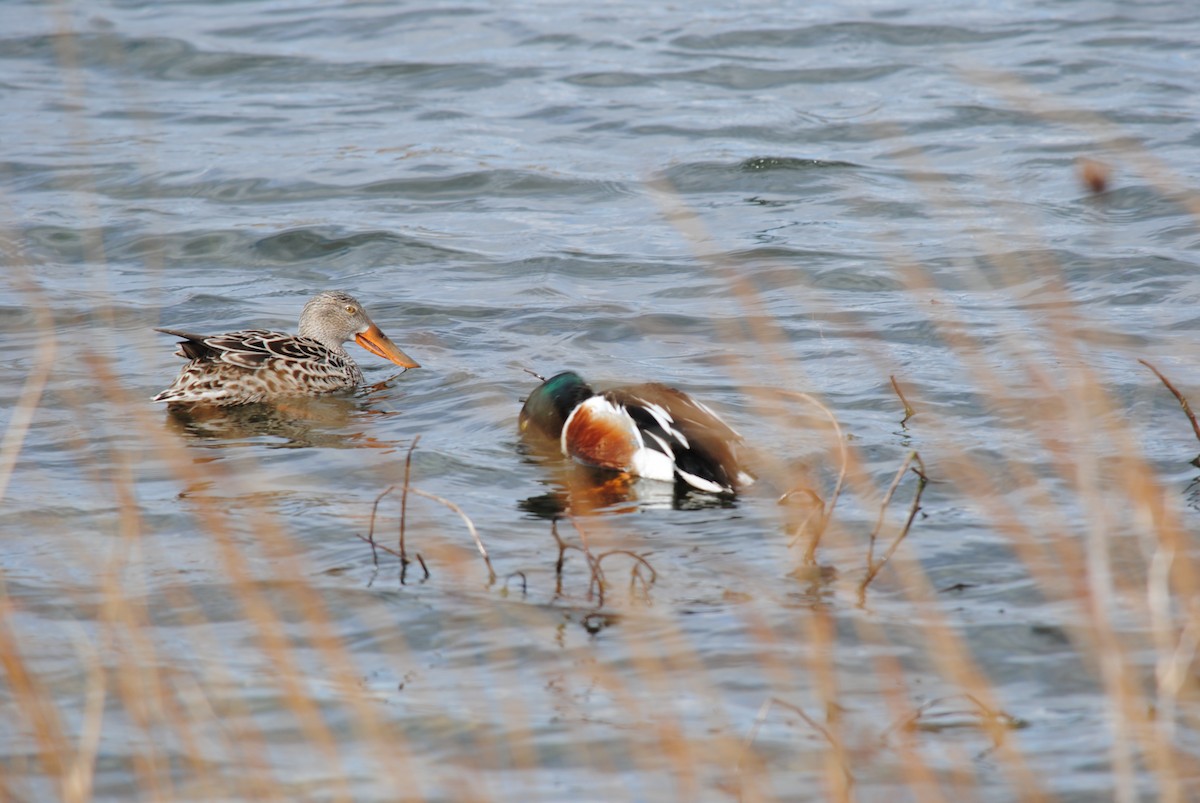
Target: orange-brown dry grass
column 229, row 755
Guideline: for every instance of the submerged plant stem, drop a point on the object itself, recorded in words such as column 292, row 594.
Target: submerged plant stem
column 873, row 568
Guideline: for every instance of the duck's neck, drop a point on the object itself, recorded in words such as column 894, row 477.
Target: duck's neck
column 316, row 333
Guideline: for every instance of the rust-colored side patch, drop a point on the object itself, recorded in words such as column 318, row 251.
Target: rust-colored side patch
column 600, row 436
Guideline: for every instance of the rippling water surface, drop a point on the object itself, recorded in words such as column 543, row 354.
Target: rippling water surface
column 733, row 198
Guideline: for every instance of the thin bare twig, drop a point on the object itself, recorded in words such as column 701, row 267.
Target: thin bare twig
column 997, row 721
column 563, row 546
column 634, row 573
column 883, row 506
column 524, row 581
column 596, row 579
column 873, row 569
column 376, row 545
column 470, row 528
column 534, row 374
column 404, row 498
column 370, row 539
column 909, row 412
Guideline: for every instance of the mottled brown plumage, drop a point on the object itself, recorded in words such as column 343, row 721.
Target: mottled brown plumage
column 256, row 365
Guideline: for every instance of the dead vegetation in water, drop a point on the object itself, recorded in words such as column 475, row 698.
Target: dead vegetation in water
column 1127, row 580
column 1183, row 403
column 401, row 550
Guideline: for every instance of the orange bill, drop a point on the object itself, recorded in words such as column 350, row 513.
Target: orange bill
column 376, row 342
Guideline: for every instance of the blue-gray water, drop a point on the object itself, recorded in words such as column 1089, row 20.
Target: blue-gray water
column 729, row 197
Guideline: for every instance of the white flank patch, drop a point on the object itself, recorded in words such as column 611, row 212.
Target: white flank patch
column 653, row 465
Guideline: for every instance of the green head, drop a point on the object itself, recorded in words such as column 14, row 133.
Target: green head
column 546, row 410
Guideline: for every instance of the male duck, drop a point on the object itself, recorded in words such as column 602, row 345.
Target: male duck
column 650, row 430
column 256, row 365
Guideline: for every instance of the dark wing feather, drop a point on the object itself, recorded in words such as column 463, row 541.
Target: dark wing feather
column 701, row 443
column 249, row 348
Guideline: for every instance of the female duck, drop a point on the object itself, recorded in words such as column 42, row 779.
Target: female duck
column 650, row 430
column 256, row 365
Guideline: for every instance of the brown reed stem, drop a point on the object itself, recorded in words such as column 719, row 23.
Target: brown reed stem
column 31, row 701
column 1183, row 402
column 563, row 546
column 404, row 499
column 635, row 572
column 883, row 506
column 909, row 412
column 376, row 545
column 524, row 581
column 371, row 530
column 873, row 569
column 997, row 721
column 596, row 579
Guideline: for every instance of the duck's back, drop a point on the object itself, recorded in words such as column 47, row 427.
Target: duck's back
column 256, row 365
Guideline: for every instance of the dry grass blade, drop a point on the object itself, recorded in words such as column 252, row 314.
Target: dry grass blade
column 80, row 780
column 874, row 567
column 810, row 550
column 22, row 413
column 1183, row 402
column 991, row 720
column 404, row 498
column 595, row 574
column 370, row 539
column 240, row 679
column 639, row 562
column 764, row 711
column 908, row 410
column 883, row 506
column 32, row 702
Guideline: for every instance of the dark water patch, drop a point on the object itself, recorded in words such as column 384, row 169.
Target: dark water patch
column 62, row 175
column 757, row 175
column 123, row 181
column 609, row 79
column 612, row 267
column 561, row 41
column 175, row 60
column 1129, row 202
column 181, row 247
column 496, row 183
column 297, row 245
column 760, row 163
column 64, row 244
column 735, row 76
column 739, row 77
column 824, row 36
column 348, row 25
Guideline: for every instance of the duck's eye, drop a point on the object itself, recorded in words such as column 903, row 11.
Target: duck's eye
column 350, row 309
